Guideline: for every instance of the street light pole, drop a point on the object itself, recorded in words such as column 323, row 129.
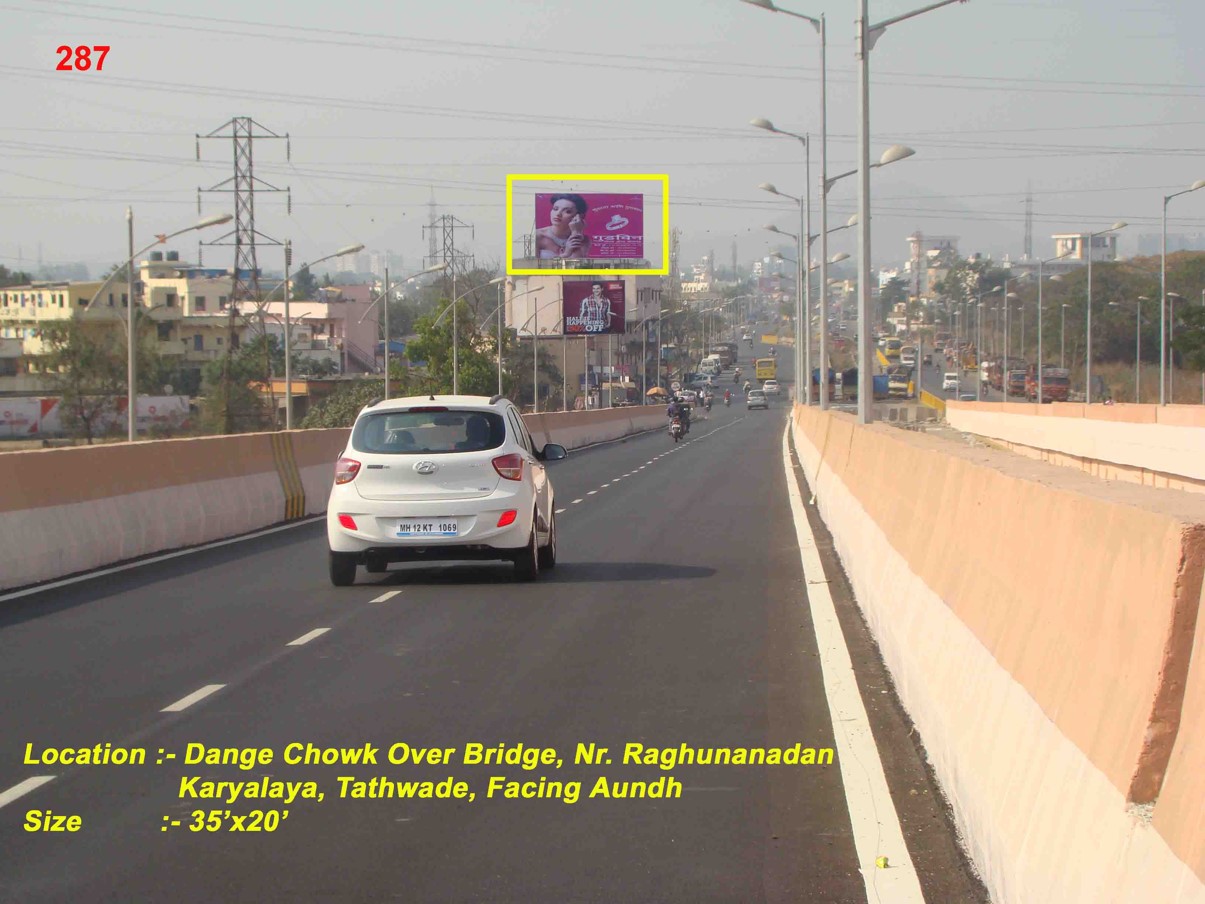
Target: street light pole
column 867, row 35
column 1163, row 334
column 386, row 328
column 131, row 367
column 1088, row 355
column 132, row 357
column 288, row 343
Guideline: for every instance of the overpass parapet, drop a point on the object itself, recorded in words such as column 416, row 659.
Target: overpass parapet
column 70, row 510
column 1147, row 444
column 1040, row 626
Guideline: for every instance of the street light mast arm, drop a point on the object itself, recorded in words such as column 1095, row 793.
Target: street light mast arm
column 874, row 32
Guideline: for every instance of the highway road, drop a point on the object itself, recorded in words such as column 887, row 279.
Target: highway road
column 676, row 615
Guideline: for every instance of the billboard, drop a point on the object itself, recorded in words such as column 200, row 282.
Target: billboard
column 593, row 307
column 589, row 226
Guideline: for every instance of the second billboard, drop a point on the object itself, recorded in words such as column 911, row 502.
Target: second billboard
column 594, row 307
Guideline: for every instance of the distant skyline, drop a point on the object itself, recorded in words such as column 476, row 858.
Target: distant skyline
column 1092, row 106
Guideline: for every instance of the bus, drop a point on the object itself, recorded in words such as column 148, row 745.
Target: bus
column 765, row 369
column 891, row 350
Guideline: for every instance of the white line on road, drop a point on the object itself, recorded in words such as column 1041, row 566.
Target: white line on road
column 604, row 486
column 192, row 698
column 575, row 502
column 592, row 492
column 386, row 596
column 54, row 585
column 875, row 823
column 558, row 511
column 306, row 638
column 23, row 788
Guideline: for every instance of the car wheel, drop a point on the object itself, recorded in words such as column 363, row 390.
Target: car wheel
column 527, row 561
column 343, row 569
column 548, row 553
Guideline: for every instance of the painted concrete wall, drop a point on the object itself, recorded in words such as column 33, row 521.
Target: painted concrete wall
column 65, row 511
column 1143, row 442
column 1040, row 629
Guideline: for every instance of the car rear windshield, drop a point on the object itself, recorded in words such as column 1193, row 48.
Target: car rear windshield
column 428, row 432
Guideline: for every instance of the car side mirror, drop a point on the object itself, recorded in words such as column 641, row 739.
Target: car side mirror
column 552, row 452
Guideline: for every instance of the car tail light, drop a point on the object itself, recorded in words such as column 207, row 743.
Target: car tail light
column 508, row 518
column 348, row 521
column 346, row 470
column 509, row 466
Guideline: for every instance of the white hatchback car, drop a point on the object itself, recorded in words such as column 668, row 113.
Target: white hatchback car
column 771, row 387
column 441, row 477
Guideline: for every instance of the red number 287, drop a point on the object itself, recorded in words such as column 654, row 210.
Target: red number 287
column 83, row 57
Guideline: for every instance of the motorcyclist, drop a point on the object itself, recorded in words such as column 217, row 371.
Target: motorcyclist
column 727, row 396
column 747, row 386
column 678, row 408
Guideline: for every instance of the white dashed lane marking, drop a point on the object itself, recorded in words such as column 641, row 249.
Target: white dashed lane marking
column 386, row 596
column 575, row 502
column 558, row 511
column 192, row 698
column 306, row 638
column 23, row 788
column 592, row 492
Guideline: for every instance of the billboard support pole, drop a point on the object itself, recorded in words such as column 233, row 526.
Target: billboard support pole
column 610, row 371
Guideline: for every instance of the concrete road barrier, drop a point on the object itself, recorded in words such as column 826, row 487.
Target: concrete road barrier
column 1040, row 627
column 66, row 511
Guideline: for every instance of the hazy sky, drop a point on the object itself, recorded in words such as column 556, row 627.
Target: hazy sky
column 1097, row 106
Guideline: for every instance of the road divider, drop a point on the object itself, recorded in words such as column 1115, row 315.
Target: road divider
column 1042, row 630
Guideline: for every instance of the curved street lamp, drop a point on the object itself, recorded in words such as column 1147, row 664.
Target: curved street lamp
column 1200, row 183
column 498, row 311
column 535, row 353
column 1120, row 224
column 131, row 360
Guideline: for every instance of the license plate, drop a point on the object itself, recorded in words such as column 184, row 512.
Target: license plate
column 440, row 527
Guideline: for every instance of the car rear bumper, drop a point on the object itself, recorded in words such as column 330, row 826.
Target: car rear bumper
column 376, row 524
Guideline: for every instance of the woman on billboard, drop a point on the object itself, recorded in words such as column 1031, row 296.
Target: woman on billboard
column 566, row 237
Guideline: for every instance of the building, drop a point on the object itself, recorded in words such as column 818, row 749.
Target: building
column 526, row 310
column 1151, row 244
column 1073, row 246
column 194, row 322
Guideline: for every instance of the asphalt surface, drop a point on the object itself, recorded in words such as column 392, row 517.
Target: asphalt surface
column 675, row 615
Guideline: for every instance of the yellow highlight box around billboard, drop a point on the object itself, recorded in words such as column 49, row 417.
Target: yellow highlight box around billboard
column 512, row 178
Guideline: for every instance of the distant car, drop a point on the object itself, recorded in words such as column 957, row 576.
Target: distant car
column 928, row 359
column 968, row 397
column 771, row 387
column 950, row 383
column 756, row 399
column 441, row 477
column 690, row 397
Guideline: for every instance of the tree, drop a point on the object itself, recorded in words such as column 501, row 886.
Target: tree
column 476, row 367
column 340, row 408
column 232, row 401
column 87, row 368
column 893, row 292
column 305, row 286
column 13, row 277
column 1190, row 336
column 119, row 273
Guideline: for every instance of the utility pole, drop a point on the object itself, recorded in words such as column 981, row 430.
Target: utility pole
column 245, row 279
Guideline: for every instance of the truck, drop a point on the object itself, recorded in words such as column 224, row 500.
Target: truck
column 726, row 350
column 1056, row 384
column 899, row 381
column 1016, row 382
column 849, row 385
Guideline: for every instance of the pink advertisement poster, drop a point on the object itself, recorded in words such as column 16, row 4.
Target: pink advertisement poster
column 589, row 226
column 593, row 307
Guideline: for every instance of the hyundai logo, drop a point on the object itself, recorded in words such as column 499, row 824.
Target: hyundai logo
column 426, row 467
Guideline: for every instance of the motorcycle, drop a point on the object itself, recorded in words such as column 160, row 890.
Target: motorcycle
column 707, row 404
column 675, row 429
column 727, row 401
